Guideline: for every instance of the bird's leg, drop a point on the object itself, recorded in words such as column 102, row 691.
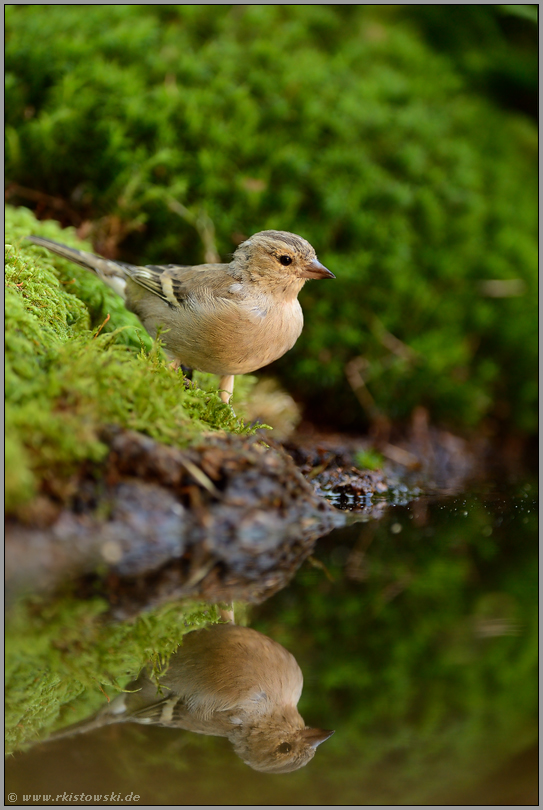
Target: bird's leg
column 226, row 612
column 175, row 365
column 226, row 387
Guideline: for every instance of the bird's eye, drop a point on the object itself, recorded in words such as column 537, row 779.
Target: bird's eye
column 284, row 748
column 285, row 260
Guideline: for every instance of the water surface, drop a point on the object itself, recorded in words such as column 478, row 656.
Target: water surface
column 417, row 636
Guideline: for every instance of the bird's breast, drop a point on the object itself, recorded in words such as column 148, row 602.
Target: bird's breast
column 223, row 335
column 266, row 330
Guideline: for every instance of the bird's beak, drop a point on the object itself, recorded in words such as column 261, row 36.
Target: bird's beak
column 316, row 270
column 315, row 736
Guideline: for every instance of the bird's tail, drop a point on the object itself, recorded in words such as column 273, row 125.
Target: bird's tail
column 114, row 712
column 83, row 727
column 112, row 273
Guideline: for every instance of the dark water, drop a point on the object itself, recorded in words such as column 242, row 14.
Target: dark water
column 417, row 636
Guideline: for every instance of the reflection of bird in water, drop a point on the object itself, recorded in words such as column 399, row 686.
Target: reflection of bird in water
column 226, row 681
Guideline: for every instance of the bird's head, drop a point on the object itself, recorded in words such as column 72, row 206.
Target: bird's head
column 275, row 747
column 279, row 257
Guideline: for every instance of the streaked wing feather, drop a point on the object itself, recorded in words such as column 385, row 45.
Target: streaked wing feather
column 156, row 280
column 151, row 713
column 174, row 283
column 155, row 711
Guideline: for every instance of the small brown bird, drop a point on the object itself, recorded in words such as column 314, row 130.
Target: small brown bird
column 226, row 319
column 226, row 681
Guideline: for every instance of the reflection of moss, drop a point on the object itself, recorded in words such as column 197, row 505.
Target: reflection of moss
column 57, row 652
column 64, row 380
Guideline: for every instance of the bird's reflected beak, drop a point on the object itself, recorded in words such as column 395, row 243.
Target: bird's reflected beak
column 316, row 736
column 316, row 270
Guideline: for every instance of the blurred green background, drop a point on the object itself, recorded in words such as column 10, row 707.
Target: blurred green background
column 399, row 139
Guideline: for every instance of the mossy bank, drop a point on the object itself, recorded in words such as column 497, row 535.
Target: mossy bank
column 76, row 360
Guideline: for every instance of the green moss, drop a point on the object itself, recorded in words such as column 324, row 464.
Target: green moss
column 369, row 459
column 66, row 379
column 63, row 659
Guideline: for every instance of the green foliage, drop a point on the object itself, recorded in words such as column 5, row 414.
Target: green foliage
column 494, row 46
column 62, row 650
column 64, row 381
column 336, row 122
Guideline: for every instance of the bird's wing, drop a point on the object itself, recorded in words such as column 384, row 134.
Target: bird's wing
column 174, row 712
column 175, row 283
column 170, row 709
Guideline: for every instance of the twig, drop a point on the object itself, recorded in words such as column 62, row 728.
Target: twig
column 204, row 226
column 102, row 326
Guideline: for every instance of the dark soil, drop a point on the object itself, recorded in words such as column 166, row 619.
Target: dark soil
column 228, row 519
